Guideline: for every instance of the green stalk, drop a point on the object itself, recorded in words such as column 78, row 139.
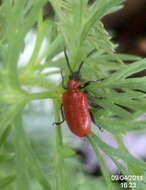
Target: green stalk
column 44, row 95
column 60, row 180
column 22, row 178
column 104, row 169
column 24, row 152
column 40, row 95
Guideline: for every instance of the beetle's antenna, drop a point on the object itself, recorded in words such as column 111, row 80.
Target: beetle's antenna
column 82, row 62
column 67, row 61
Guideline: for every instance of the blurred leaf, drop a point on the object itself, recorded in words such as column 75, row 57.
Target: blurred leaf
column 118, row 154
column 101, row 163
column 4, row 134
column 67, row 152
column 4, row 181
column 26, row 158
column 6, row 157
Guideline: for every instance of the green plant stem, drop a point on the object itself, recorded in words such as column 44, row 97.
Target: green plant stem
column 60, row 181
column 4, row 134
column 121, row 143
column 44, row 95
column 101, row 161
column 24, row 152
column 22, row 180
column 40, row 95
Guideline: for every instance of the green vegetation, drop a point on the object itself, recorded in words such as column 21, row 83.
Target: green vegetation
column 26, row 163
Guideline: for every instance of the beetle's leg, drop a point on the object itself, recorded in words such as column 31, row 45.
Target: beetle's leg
column 89, row 82
column 63, row 119
column 93, row 120
column 62, row 82
column 95, row 106
column 95, row 97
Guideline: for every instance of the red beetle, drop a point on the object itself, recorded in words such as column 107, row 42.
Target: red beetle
column 75, row 104
column 76, row 109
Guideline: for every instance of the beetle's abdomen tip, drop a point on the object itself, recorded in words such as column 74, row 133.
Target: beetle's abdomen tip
column 83, row 133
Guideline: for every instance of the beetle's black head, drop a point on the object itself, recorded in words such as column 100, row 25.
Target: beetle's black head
column 75, row 76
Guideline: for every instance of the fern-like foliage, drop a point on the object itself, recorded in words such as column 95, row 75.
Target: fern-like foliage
column 119, row 98
column 78, row 21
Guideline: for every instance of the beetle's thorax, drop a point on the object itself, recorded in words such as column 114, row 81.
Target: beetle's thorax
column 73, row 85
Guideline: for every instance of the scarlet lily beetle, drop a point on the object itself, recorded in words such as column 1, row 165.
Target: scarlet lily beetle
column 75, row 107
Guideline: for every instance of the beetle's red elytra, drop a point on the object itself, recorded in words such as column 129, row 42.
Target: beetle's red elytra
column 76, row 110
